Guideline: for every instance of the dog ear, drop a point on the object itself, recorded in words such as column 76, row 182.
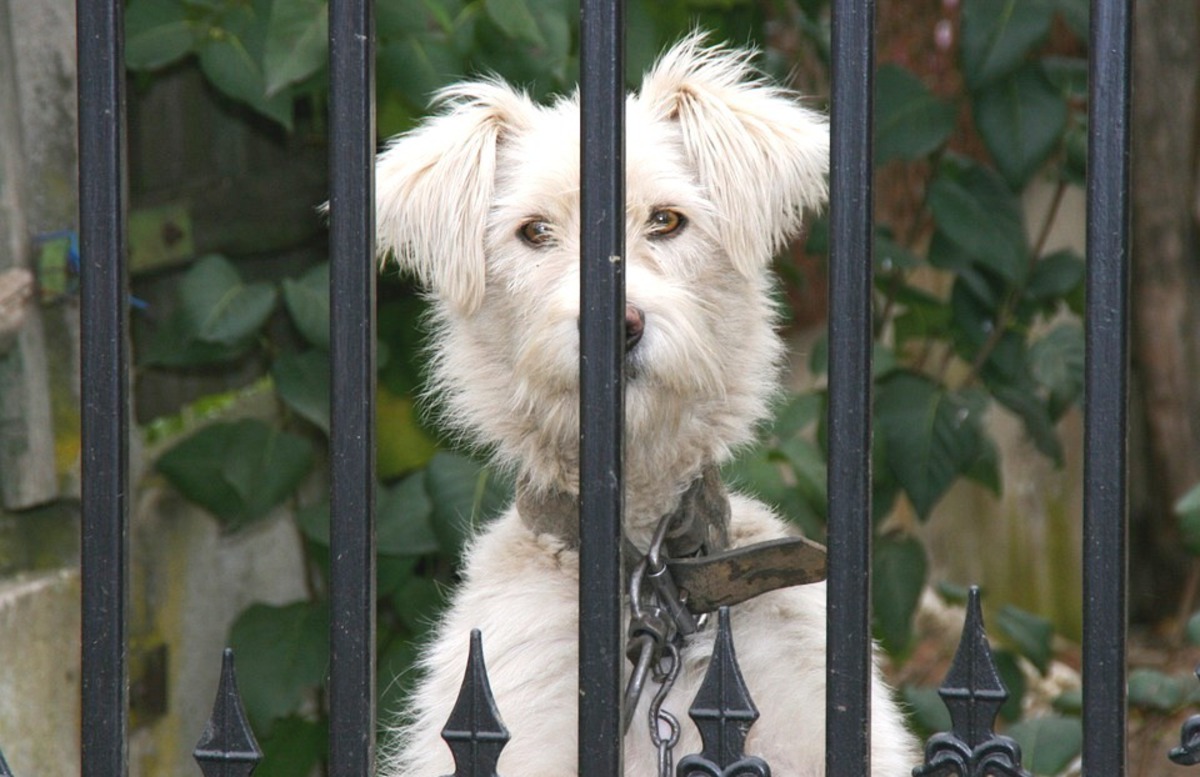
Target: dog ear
column 762, row 157
column 434, row 189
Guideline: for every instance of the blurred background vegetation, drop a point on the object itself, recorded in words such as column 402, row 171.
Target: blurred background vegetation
column 980, row 137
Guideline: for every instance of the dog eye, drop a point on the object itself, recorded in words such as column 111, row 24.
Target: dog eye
column 536, row 233
column 664, row 222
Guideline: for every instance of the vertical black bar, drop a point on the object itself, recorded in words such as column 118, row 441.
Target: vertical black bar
column 104, row 382
column 1106, row 391
column 352, row 415
column 601, row 376
column 847, row 730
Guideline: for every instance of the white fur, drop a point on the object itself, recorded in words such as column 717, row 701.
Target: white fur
column 742, row 160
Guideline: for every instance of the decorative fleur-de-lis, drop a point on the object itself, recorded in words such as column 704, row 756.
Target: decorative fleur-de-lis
column 228, row 747
column 474, row 732
column 723, row 712
column 1188, row 752
column 974, row 693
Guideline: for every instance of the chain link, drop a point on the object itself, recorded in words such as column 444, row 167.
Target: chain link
column 658, row 619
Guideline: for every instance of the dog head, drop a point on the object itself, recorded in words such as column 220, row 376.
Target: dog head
column 482, row 203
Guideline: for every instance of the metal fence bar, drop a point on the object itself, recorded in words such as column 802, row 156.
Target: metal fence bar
column 104, row 371
column 602, row 380
column 1106, row 390
column 352, row 415
column 848, row 709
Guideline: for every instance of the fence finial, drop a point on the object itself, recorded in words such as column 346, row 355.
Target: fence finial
column 974, row 694
column 474, row 732
column 228, row 747
column 1188, row 752
column 724, row 713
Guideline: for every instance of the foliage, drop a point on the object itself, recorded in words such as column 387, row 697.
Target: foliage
column 972, row 311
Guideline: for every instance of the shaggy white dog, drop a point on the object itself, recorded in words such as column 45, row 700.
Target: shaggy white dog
column 482, row 202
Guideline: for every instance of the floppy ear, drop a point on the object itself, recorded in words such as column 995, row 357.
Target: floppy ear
column 434, row 189
column 761, row 156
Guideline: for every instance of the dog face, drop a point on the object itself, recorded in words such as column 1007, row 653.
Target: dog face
column 482, row 202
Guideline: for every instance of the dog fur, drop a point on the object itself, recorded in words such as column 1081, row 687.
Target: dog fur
column 742, row 161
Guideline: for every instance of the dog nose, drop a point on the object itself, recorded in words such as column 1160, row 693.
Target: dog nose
column 635, row 325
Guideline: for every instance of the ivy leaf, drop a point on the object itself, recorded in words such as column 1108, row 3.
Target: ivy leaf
column 403, row 519
column 931, row 435
column 237, row 470
column 898, row 571
column 998, row 34
column 515, row 19
column 157, row 33
column 976, row 210
column 463, row 495
column 293, row 746
column 910, row 121
column 1031, row 634
column 307, row 302
column 218, row 307
column 1056, row 276
column 1187, row 509
column 1056, row 362
column 1048, row 745
column 418, row 66
column 282, row 654
column 1021, row 119
column 302, row 380
column 297, row 42
column 1154, row 690
column 231, row 57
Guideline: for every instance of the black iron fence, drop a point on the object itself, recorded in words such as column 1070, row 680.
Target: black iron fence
column 970, row 748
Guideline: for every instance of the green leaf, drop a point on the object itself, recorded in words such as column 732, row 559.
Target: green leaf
column 237, row 470
column 910, row 121
column 416, row 67
column 1193, row 629
column 1154, row 690
column 403, row 519
column 1035, row 416
column 418, row 603
column 302, row 380
column 1032, row 635
column 926, row 710
column 293, row 746
column 307, row 302
column 1021, row 119
column 218, row 307
column 1056, row 362
column 515, row 19
column 797, row 413
column 998, row 34
column 297, row 42
column 1057, row 275
column 1013, row 679
column 759, row 473
column 173, row 344
column 463, row 495
column 975, row 209
column 898, row 571
column 1187, row 510
column 1075, row 13
column 891, row 256
column 282, row 655
column 231, row 57
column 931, row 436
column 1048, row 745
column 157, row 33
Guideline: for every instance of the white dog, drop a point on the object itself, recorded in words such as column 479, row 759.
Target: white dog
column 482, row 202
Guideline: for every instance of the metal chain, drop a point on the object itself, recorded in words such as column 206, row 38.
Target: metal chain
column 658, row 619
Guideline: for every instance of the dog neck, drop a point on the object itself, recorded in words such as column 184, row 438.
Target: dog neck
column 699, row 521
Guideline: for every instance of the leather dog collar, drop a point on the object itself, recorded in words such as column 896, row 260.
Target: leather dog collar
column 707, row 571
